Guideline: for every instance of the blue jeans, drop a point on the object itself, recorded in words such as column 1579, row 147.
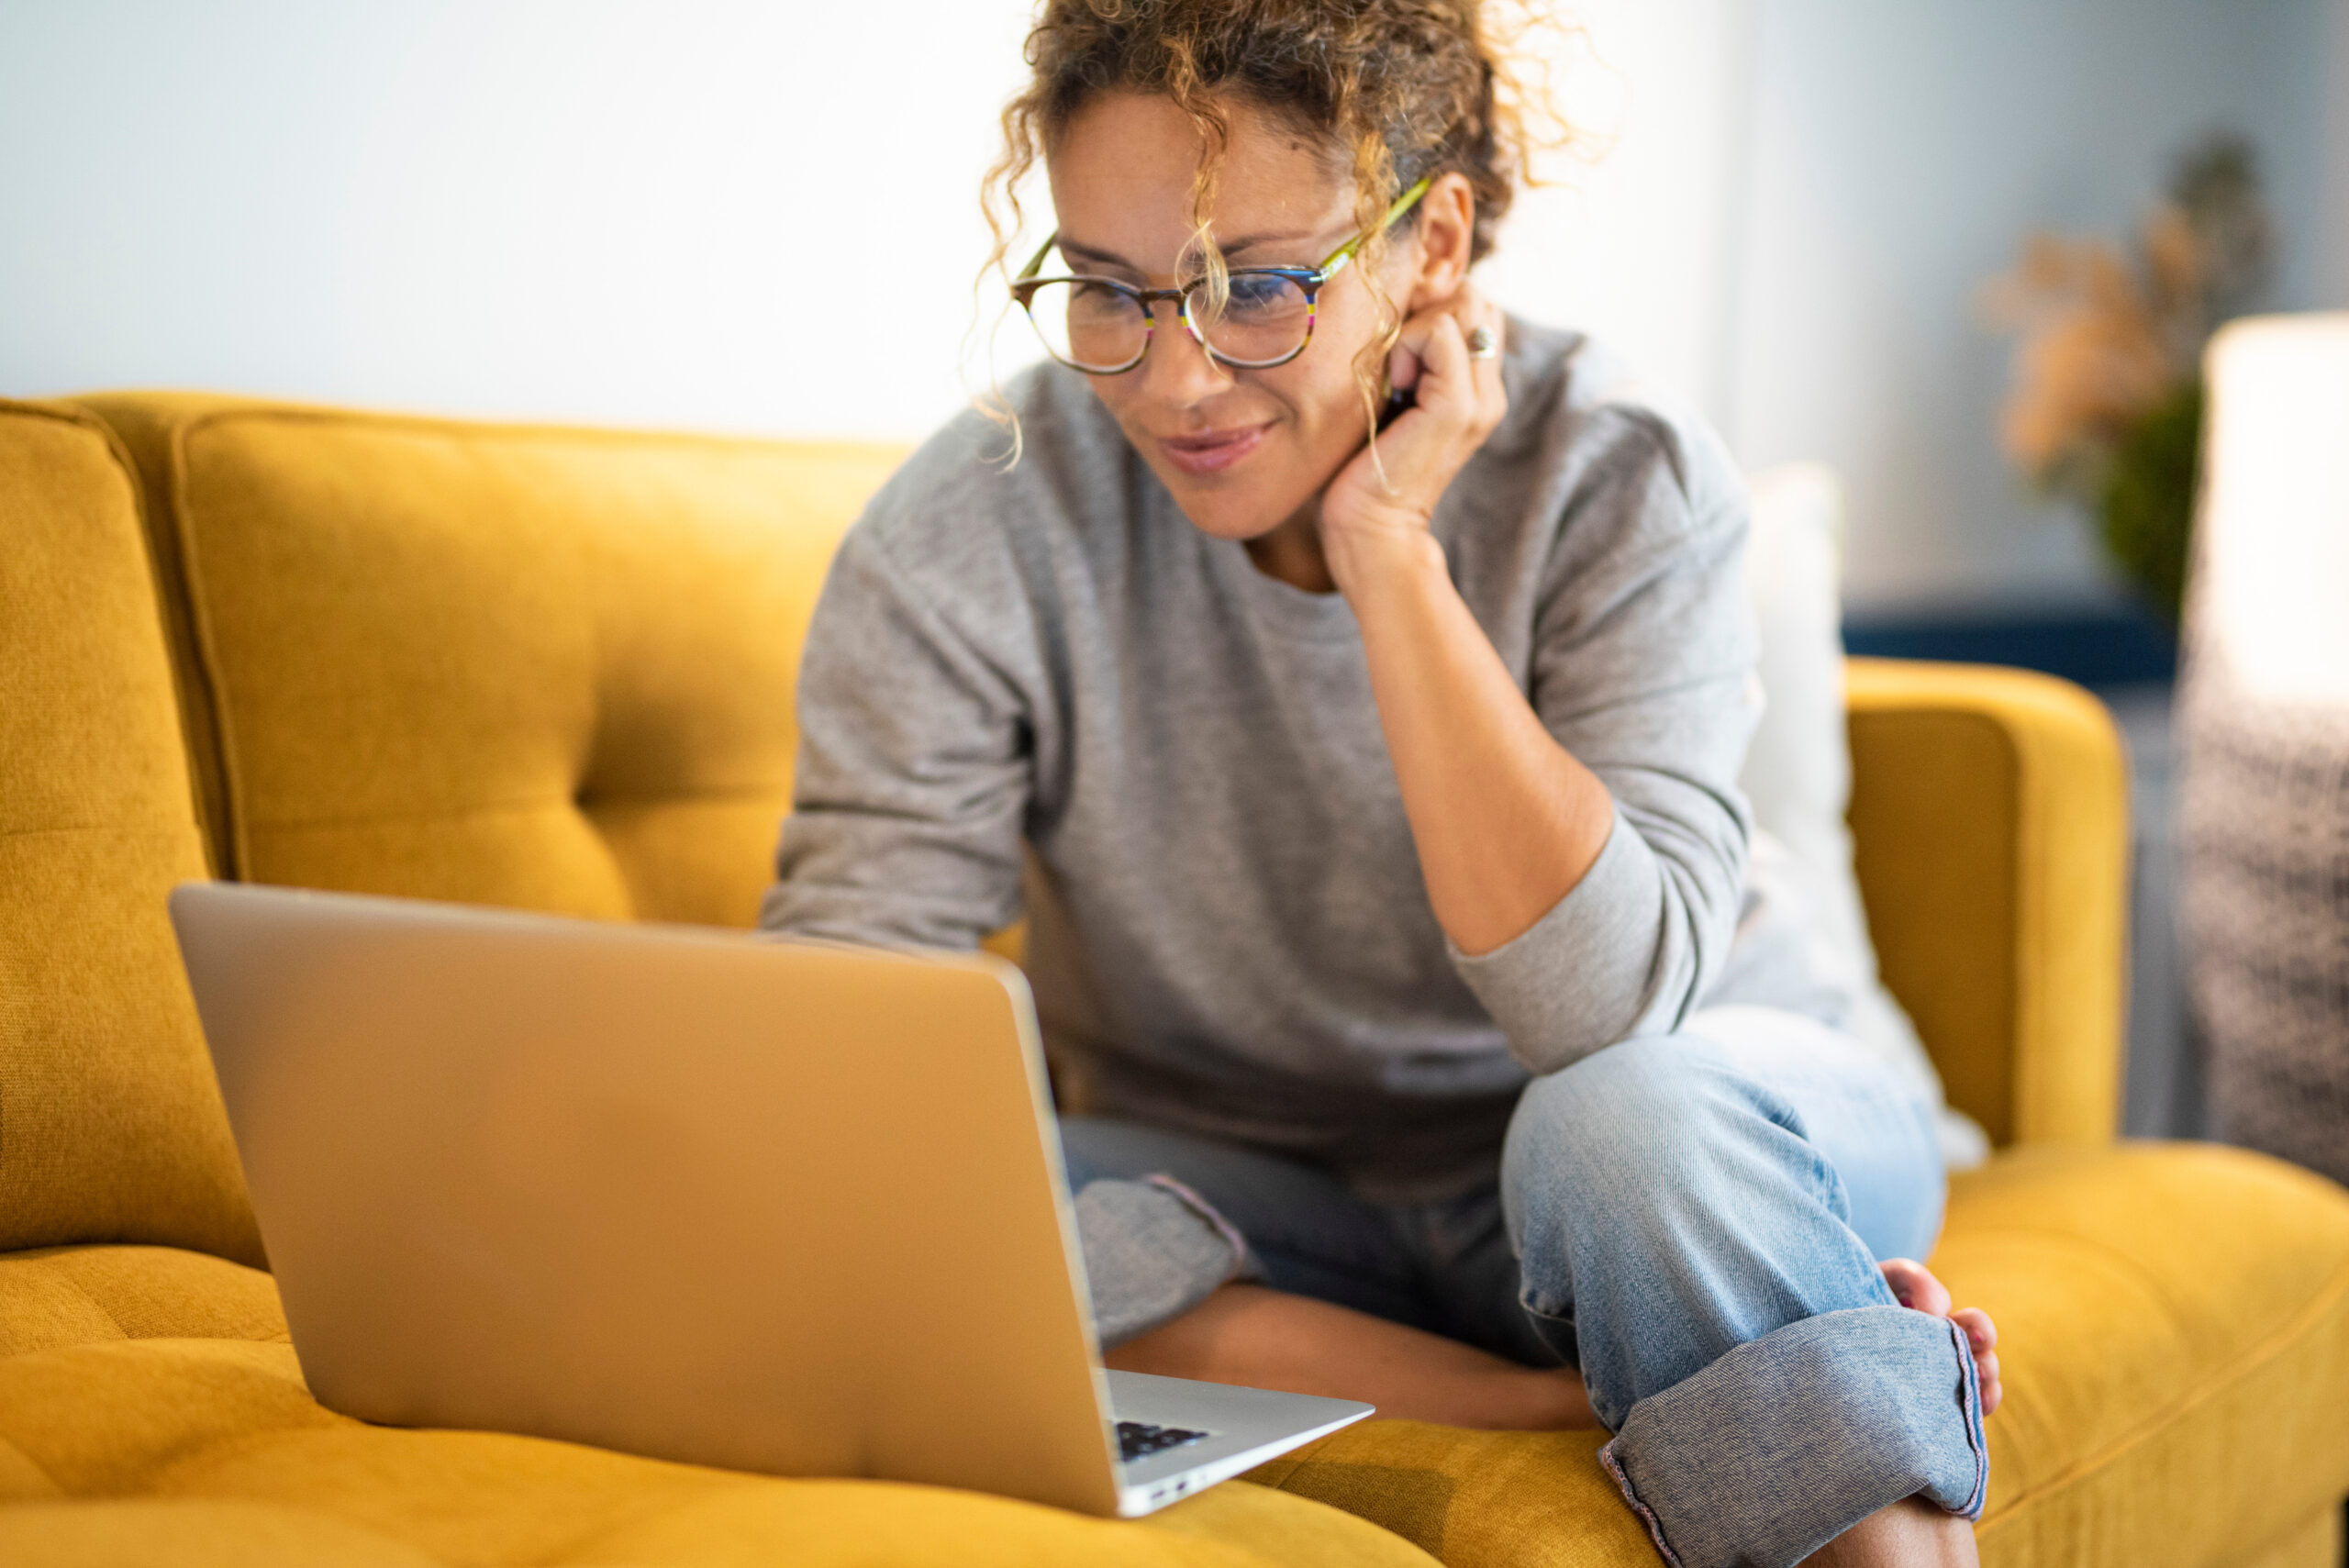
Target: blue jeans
column 1693, row 1219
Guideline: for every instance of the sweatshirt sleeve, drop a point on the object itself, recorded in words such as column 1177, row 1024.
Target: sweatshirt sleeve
column 1643, row 668
column 914, row 770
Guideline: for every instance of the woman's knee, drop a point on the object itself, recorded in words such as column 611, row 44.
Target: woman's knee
column 1638, row 1139
column 1634, row 1103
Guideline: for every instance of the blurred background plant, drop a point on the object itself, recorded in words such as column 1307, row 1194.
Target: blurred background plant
column 2107, row 405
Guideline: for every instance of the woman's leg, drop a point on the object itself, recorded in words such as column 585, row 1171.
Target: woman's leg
column 1303, row 1232
column 1269, row 1338
column 1700, row 1219
column 1162, row 1217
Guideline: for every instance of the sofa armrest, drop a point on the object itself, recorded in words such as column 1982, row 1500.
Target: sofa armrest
column 1989, row 818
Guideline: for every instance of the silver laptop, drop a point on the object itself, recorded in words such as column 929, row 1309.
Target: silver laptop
column 769, row 1206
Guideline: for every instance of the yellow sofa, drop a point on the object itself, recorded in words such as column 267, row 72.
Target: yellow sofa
column 553, row 669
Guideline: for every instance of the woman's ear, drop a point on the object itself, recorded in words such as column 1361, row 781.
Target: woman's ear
column 1446, row 234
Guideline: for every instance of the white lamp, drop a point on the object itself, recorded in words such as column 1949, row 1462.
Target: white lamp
column 2264, row 739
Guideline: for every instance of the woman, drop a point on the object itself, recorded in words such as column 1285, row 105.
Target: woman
column 1371, row 804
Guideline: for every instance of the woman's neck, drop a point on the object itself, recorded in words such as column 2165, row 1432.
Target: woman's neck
column 1291, row 553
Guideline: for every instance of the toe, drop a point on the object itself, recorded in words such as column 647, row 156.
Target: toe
column 1980, row 1332
column 1987, row 1379
column 1914, row 1286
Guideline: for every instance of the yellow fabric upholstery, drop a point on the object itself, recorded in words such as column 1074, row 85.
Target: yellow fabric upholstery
column 2163, row 1400
column 110, row 1123
column 543, row 668
column 2315, row 1543
column 1989, row 820
column 553, row 669
column 1474, row 1499
column 525, row 667
column 53, row 1299
column 210, row 1450
column 2170, row 1314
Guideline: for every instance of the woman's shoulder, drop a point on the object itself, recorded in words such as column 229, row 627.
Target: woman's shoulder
column 1596, row 428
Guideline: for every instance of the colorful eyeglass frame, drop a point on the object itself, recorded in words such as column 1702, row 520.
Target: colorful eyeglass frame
column 1024, row 287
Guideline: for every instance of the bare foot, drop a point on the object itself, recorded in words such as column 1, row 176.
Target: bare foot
column 1910, row 1534
column 1913, row 1285
column 1265, row 1338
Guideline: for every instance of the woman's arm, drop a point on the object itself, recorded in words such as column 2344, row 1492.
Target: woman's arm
column 1506, row 821
column 1577, row 823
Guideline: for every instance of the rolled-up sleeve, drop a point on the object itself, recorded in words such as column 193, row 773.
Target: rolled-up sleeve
column 1641, row 667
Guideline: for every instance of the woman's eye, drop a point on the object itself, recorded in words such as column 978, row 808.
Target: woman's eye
column 1098, row 299
column 1265, row 299
column 1255, row 293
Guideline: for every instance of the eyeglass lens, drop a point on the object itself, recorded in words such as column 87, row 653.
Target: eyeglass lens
column 1091, row 327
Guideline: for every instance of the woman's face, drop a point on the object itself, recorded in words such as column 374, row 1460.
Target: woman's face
column 1241, row 450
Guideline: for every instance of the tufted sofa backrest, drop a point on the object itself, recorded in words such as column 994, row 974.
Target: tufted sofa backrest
column 111, row 1128
column 544, row 668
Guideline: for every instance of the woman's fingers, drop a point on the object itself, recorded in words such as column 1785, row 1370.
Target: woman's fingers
column 1403, row 366
column 1458, row 400
column 1457, row 397
column 1424, row 449
column 1446, row 380
column 1479, row 312
column 1463, row 312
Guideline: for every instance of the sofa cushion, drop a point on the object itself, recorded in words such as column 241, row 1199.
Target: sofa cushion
column 2174, row 1324
column 210, row 1450
column 2174, row 1336
column 51, row 1299
column 1990, row 829
column 543, row 668
column 110, row 1122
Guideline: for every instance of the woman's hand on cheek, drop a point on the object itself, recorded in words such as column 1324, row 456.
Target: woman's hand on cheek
column 1457, row 402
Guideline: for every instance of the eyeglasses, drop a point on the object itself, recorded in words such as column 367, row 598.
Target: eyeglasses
column 1103, row 326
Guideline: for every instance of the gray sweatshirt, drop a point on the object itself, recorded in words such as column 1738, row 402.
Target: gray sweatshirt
column 1043, row 690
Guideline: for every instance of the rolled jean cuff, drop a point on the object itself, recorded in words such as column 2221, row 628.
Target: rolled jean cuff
column 1153, row 1249
column 1787, row 1441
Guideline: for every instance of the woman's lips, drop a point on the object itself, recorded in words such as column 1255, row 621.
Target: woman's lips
column 1213, row 451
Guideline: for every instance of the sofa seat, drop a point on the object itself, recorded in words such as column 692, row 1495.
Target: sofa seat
column 152, row 1410
column 152, row 1413
column 2161, row 1309
column 59, row 1298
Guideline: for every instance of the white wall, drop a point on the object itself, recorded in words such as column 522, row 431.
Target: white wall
column 1632, row 234
column 722, row 213
column 710, row 213
column 734, row 214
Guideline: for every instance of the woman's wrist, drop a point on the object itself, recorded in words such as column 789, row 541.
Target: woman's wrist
column 1367, row 565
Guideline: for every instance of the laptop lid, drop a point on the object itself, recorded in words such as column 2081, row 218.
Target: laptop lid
column 769, row 1206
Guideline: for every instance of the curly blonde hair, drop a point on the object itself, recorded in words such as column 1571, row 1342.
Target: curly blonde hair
column 1397, row 90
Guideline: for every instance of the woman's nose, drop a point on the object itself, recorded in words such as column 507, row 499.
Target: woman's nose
column 1177, row 369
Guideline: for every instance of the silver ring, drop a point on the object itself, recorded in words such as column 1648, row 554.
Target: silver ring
column 1482, row 344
